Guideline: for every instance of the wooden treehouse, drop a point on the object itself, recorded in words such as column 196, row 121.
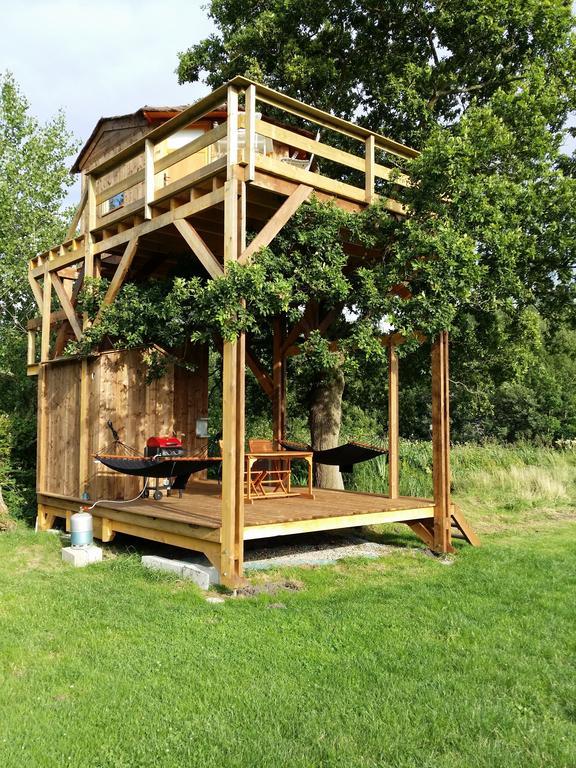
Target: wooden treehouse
column 164, row 187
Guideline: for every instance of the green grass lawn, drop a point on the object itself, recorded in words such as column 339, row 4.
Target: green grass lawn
column 401, row 661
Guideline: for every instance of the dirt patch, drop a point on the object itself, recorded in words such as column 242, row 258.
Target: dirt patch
column 270, row 588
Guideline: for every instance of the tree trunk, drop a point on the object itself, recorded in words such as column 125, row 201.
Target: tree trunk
column 5, row 522
column 324, row 420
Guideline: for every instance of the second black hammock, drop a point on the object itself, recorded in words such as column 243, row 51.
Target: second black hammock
column 343, row 456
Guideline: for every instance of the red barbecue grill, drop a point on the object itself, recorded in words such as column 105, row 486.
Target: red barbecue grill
column 162, row 447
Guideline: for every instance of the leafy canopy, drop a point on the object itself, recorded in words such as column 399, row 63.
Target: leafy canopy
column 33, row 181
column 484, row 90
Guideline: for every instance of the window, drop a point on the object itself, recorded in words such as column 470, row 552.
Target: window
column 113, row 203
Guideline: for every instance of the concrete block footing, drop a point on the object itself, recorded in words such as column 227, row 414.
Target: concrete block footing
column 202, row 575
column 81, row 556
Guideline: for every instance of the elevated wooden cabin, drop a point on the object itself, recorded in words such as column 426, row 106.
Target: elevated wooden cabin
column 169, row 186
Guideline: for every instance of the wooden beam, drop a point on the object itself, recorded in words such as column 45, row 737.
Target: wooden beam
column 464, row 526
column 37, row 292
column 233, row 381
column 77, row 215
column 199, row 248
column 59, row 262
column 441, row 445
column 393, row 423
column 66, row 305
column 311, row 525
column 62, row 334
column 119, row 276
column 120, row 186
column 190, row 180
column 285, row 187
column 278, row 220
column 424, row 531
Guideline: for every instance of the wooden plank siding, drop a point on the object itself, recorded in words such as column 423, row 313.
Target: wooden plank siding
column 116, row 391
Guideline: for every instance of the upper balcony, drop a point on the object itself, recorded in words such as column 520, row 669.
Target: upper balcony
column 178, row 170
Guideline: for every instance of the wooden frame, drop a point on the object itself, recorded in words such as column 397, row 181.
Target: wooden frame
column 204, row 214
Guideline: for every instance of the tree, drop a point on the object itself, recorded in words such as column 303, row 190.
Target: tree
column 33, row 182
column 484, row 92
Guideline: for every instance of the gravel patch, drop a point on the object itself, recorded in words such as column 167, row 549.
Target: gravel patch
column 319, row 551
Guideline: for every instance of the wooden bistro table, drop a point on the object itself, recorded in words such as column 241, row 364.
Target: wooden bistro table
column 274, row 479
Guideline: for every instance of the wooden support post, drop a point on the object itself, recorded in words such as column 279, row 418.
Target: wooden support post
column 84, row 434
column 233, row 376
column 42, row 430
column 393, row 422
column 45, row 518
column 441, row 444
column 279, row 387
column 46, row 312
column 148, row 178
column 90, row 186
column 369, row 169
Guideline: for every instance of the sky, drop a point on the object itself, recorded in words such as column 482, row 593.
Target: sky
column 99, row 57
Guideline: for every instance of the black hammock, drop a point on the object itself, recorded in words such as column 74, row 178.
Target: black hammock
column 180, row 468
column 343, row 456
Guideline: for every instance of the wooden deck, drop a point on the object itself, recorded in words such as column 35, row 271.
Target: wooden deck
column 194, row 521
column 201, row 506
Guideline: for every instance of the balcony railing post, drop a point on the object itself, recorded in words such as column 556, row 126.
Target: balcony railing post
column 369, row 171
column 250, row 128
column 148, row 178
column 232, row 131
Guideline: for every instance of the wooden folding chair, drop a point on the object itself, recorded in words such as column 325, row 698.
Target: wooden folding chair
column 273, row 474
